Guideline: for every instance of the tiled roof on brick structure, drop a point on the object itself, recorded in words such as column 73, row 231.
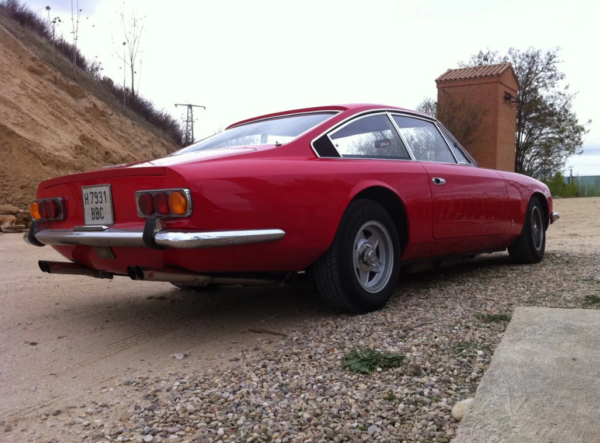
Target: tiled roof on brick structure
column 476, row 72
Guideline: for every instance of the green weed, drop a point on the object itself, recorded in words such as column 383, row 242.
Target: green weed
column 368, row 360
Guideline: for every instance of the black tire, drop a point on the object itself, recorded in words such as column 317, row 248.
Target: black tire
column 529, row 247
column 207, row 288
column 335, row 274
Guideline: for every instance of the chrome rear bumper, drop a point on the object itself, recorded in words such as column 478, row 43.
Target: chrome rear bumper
column 555, row 217
column 155, row 238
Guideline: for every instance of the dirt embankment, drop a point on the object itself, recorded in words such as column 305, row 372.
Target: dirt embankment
column 50, row 126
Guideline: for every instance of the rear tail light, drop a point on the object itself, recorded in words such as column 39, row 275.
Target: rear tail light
column 34, row 208
column 161, row 203
column 145, row 204
column 165, row 202
column 48, row 209
column 178, row 203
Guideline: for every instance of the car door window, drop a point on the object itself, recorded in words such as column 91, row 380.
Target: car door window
column 458, row 153
column 373, row 136
column 424, row 140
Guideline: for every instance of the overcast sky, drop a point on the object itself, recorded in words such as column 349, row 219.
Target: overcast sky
column 250, row 57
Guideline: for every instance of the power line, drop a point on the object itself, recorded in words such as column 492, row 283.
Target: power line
column 189, row 122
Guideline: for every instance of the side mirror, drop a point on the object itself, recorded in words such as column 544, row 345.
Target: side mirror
column 383, row 143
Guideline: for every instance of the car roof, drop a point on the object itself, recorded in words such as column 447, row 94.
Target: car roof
column 353, row 108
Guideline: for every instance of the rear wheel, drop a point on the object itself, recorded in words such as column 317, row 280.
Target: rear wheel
column 529, row 247
column 360, row 270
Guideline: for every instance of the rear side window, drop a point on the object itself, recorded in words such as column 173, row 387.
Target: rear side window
column 373, row 136
column 424, row 140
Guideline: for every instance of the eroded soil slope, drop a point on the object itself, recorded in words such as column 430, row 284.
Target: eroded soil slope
column 50, row 126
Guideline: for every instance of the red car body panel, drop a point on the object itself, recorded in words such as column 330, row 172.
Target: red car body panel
column 290, row 188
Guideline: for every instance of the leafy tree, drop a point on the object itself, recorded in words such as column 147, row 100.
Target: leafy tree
column 548, row 131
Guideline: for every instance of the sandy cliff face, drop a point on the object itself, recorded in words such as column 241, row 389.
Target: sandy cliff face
column 50, row 126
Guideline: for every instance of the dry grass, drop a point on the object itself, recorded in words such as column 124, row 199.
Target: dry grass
column 34, row 31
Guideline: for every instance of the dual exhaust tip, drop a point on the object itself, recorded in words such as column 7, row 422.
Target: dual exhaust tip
column 135, row 272
column 68, row 268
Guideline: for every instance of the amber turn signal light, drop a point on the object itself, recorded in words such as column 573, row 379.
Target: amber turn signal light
column 34, row 208
column 178, row 203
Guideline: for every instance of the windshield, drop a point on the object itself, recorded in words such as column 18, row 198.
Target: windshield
column 272, row 131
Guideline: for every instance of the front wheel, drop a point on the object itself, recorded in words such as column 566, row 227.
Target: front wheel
column 529, row 247
column 360, row 270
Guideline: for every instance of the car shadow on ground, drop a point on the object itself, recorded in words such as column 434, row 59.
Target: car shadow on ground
column 299, row 301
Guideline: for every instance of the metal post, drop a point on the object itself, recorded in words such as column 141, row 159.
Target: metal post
column 189, row 122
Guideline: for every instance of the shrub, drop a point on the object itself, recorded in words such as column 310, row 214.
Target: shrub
column 559, row 188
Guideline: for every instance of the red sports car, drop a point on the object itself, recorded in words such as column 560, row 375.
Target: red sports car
column 348, row 194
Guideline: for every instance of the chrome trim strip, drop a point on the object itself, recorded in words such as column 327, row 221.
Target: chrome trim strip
column 193, row 240
column 110, row 237
column 87, row 228
column 166, row 238
column 555, row 216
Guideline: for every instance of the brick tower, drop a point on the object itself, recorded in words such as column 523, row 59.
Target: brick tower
column 493, row 90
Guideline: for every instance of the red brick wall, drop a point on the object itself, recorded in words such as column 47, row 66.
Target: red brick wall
column 493, row 145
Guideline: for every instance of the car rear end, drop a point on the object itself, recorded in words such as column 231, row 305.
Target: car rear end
column 136, row 221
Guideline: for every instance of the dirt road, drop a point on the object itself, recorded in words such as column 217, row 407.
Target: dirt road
column 64, row 336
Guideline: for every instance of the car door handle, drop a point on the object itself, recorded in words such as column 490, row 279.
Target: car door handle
column 438, row 181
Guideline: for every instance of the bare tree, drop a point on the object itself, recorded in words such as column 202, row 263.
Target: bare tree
column 133, row 28
column 75, row 16
column 53, row 23
column 428, row 106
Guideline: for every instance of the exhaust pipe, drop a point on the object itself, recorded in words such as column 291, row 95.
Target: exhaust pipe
column 192, row 279
column 57, row 267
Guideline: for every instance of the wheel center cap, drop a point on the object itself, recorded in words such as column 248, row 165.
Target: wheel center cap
column 369, row 257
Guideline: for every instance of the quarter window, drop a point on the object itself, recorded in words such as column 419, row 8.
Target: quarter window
column 424, row 140
column 369, row 137
column 460, row 156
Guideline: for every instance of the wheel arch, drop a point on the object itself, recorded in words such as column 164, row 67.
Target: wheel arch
column 392, row 203
column 546, row 209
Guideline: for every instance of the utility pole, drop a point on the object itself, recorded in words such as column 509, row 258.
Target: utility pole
column 189, row 122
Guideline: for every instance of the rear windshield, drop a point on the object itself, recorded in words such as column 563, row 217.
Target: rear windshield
column 272, row 131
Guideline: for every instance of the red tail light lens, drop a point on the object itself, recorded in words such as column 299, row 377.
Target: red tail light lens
column 44, row 209
column 146, row 204
column 51, row 209
column 161, row 203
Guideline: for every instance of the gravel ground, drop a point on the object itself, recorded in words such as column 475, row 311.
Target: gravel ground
column 292, row 388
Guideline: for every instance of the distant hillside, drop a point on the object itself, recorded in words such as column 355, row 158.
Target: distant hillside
column 52, row 126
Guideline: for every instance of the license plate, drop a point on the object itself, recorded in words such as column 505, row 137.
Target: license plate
column 97, row 205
